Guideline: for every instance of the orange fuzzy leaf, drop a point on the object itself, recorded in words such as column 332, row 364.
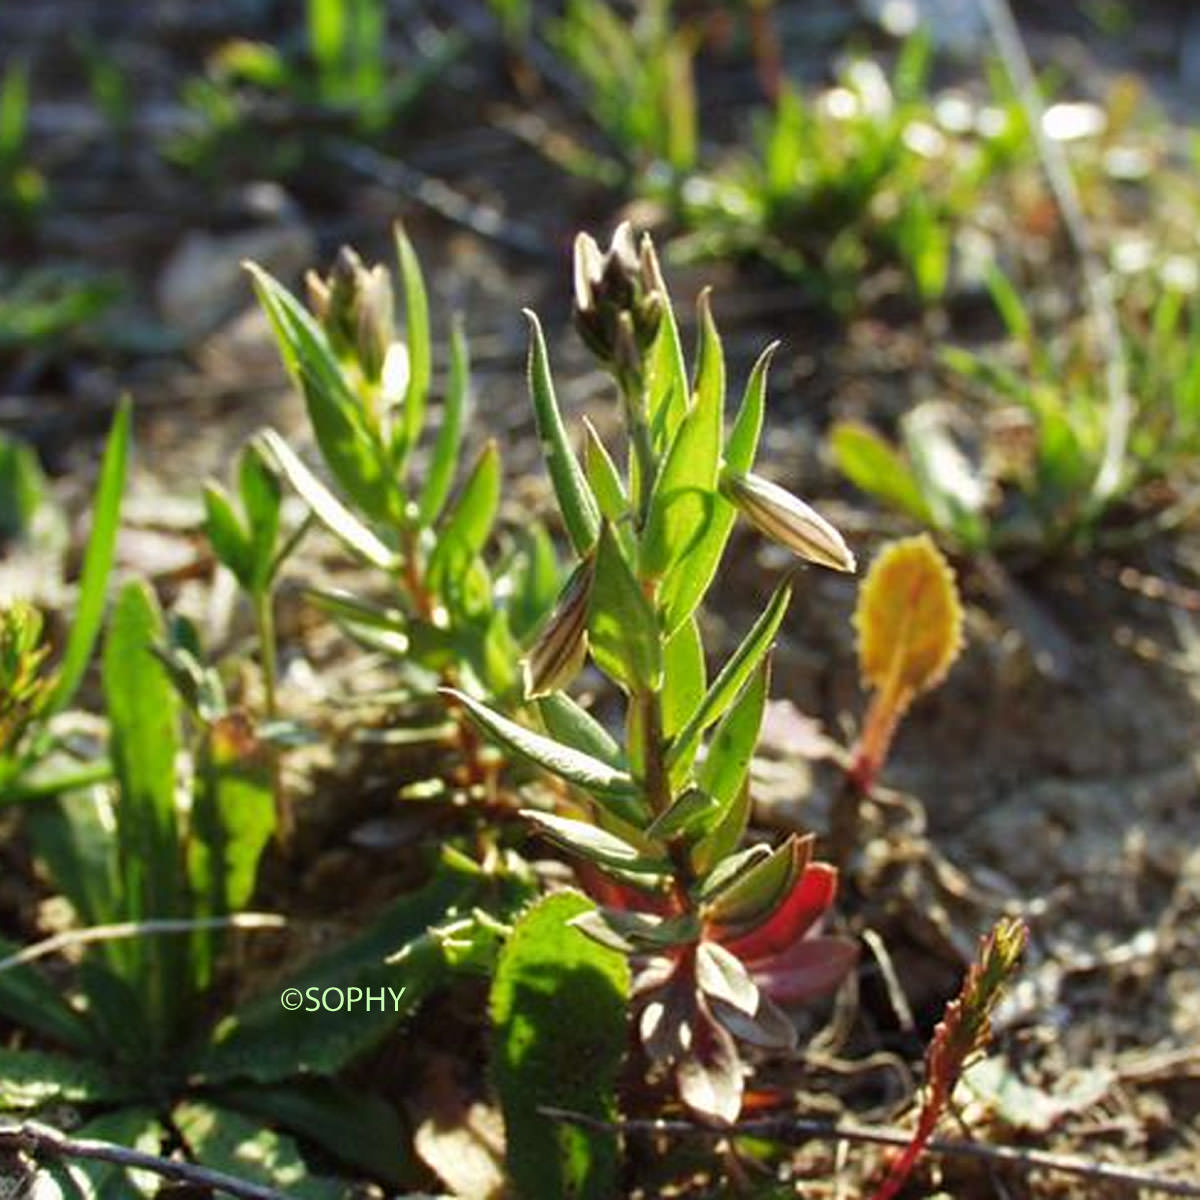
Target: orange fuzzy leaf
column 909, row 620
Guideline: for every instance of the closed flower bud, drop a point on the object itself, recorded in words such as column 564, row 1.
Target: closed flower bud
column 375, row 326
column 786, row 519
column 618, row 307
column 561, row 647
column 355, row 307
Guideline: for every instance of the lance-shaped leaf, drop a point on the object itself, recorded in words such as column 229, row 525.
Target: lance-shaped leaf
column 710, row 1075
column 688, row 816
column 873, row 465
column 667, row 382
column 629, row 932
column 757, row 892
column 688, row 581
column 262, row 499
column 580, row 513
column 596, row 844
column 721, row 976
column 622, row 626
column 349, row 447
column 732, row 678
column 725, row 772
column 685, row 677
column 685, row 491
column 568, row 722
column 811, row 897
column 229, row 541
column 448, row 445
column 325, row 506
column 468, row 523
column 603, row 476
column 416, row 331
column 598, row 778
column 97, row 562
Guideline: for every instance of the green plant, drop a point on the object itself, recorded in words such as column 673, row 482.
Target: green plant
column 857, row 179
column 33, row 760
column 257, row 98
column 448, row 617
column 640, row 84
column 159, row 884
column 723, row 933
column 52, row 309
column 1032, row 485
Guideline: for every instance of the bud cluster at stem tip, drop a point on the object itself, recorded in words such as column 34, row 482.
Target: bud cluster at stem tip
column 356, row 307
column 618, row 304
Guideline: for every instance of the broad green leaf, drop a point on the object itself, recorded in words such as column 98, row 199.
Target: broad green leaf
column 686, row 584
column 467, row 524
column 603, row 476
column 137, row 1128
column 102, row 543
column 870, row 463
column 226, row 1141
column 725, row 772
column 594, row 843
column 685, row 493
column 357, row 1127
column 266, row 1043
column 348, row 445
column 580, row 513
column 225, row 534
column 29, row 999
column 558, row 1008
column 325, row 506
column 685, row 677
column 574, row 726
column 448, row 445
column 31, row 1079
column 598, row 778
column 416, row 335
column 622, row 626
column 732, row 678
column 143, row 712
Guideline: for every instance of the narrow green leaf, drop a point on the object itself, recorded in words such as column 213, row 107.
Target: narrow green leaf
column 348, row 445
column 622, row 626
column 689, row 815
column 594, row 843
column 143, row 713
column 685, row 494
column 603, row 476
column 754, row 893
column 873, row 465
column 685, row 586
column 448, row 445
column 97, row 563
column 325, row 506
column 667, row 381
column 558, row 1008
column 594, row 776
column 574, row 726
column 416, row 333
column 725, row 772
column 31, row 1079
column 226, row 536
column 262, row 499
column 580, row 512
column 29, row 999
column 467, row 525
column 685, row 677
column 732, row 678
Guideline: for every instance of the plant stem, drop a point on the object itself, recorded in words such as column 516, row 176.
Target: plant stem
column 264, row 616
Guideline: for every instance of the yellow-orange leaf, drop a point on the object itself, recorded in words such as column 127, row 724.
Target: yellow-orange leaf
column 909, row 619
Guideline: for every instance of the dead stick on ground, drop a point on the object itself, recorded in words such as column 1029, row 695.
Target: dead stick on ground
column 798, row 1129
column 42, row 1141
column 1015, row 57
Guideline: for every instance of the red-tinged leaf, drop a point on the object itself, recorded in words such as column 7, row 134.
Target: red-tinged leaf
column 710, row 1075
column 808, row 900
column 808, row 970
column 666, row 1021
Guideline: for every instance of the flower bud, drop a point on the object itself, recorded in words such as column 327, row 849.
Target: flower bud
column 787, row 520
column 23, row 686
column 561, row 647
column 618, row 306
column 355, row 307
